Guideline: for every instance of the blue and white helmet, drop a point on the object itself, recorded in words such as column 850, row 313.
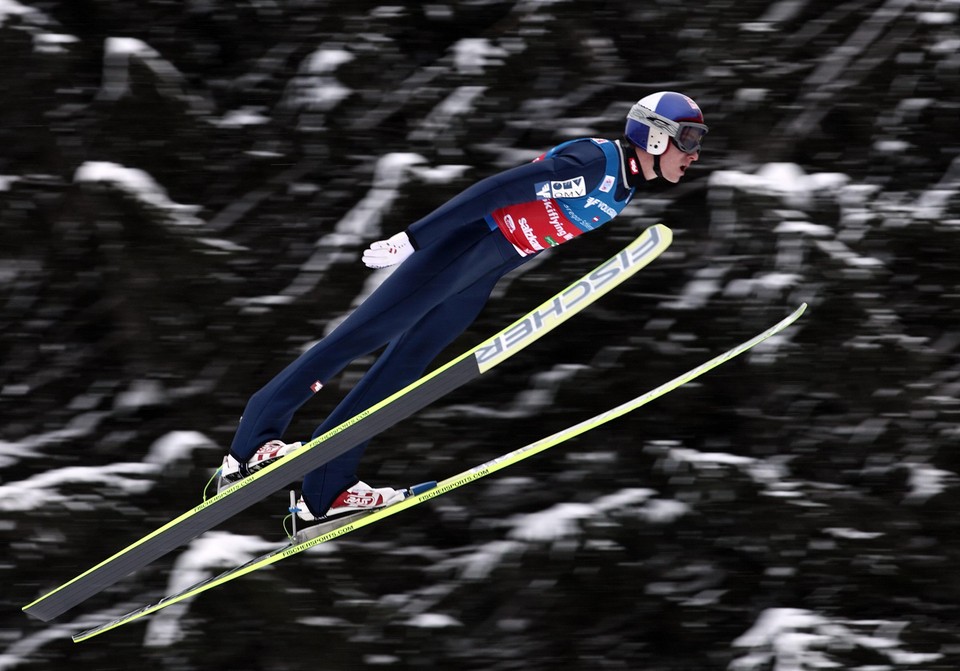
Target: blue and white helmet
column 664, row 116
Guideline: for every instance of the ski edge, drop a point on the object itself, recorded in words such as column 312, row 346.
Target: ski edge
column 451, row 483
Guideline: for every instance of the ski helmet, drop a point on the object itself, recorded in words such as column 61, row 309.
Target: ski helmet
column 664, row 116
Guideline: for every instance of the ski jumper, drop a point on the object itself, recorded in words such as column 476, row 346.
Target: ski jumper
column 462, row 249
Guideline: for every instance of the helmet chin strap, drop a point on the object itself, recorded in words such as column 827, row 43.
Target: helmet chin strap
column 656, row 166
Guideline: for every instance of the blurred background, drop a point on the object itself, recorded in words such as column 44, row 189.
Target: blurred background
column 185, row 191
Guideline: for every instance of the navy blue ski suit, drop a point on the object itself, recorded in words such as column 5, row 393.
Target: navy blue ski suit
column 461, row 250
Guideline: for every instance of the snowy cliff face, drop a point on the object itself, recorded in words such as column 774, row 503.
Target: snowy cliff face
column 185, row 191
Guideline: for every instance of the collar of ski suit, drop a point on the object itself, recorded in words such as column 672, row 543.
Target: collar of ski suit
column 632, row 172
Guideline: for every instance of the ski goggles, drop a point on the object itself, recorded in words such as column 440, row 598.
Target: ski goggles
column 687, row 136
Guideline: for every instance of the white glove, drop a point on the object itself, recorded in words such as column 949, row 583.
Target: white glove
column 386, row 253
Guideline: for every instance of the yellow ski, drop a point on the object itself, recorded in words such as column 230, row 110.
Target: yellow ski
column 421, row 493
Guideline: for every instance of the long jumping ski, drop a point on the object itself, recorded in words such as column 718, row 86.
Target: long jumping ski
column 421, row 493
column 469, row 366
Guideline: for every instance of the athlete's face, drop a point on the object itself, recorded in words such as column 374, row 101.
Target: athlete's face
column 674, row 163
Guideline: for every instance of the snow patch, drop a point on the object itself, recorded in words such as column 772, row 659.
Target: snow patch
column 214, row 551
column 176, row 446
column 44, row 489
column 240, row 118
column 53, row 43
column 793, row 638
column 315, row 88
column 121, row 52
column 472, row 56
column 433, row 621
column 563, row 520
column 139, row 185
column 787, row 181
column 10, row 8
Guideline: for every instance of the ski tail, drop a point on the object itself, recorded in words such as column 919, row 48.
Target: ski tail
column 426, row 493
column 379, row 417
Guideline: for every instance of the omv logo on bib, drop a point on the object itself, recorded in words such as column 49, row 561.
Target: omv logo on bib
column 568, row 188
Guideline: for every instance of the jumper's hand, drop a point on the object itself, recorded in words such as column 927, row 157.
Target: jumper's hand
column 386, row 253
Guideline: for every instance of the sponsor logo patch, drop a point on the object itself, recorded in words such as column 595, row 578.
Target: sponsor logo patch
column 587, row 289
column 607, row 184
column 529, row 233
column 366, row 500
column 568, row 188
column 555, row 221
column 602, row 206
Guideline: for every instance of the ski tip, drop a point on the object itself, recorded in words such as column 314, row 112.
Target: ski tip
column 664, row 232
